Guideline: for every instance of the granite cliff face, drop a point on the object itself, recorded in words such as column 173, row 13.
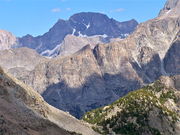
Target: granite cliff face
column 23, row 111
column 152, row 110
column 81, row 24
column 7, row 40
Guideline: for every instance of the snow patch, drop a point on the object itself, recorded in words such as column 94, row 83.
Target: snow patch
column 87, row 25
column 51, row 53
column 81, row 35
column 104, row 35
column 137, row 62
column 124, row 35
column 168, row 11
column 74, row 30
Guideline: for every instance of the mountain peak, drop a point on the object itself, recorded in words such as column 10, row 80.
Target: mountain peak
column 133, row 20
column 171, row 5
column 86, row 15
column 7, row 40
column 81, row 24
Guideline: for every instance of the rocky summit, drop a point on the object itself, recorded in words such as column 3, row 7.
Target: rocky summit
column 7, row 40
column 81, row 24
column 170, row 4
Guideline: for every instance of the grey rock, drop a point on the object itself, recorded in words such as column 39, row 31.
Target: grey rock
column 20, row 61
column 72, row 44
column 7, row 40
column 170, row 5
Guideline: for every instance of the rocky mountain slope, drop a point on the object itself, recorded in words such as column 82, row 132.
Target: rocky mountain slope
column 23, row 111
column 7, row 40
column 94, row 77
column 91, row 78
column 73, row 83
column 81, row 24
column 152, row 110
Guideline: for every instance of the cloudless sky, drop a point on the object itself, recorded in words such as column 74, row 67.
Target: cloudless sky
column 36, row 17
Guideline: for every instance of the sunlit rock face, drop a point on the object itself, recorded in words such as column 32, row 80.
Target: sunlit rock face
column 20, row 61
column 7, row 40
column 171, row 5
column 72, row 44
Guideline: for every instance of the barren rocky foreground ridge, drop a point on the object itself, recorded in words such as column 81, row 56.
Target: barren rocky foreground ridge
column 23, row 111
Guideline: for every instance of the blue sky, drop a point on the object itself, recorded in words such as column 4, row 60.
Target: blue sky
column 36, row 17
